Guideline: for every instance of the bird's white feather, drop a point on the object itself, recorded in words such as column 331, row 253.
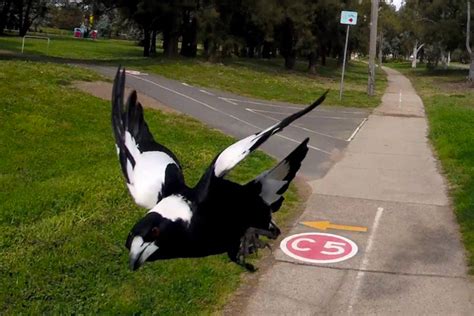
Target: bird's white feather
column 148, row 175
column 236, row 152
column 233, row 154
column 174, row 207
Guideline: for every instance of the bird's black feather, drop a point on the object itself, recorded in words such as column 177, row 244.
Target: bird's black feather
column 215, row 216
column 128, row 118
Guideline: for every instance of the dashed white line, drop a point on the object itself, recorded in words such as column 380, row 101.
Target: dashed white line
column 289, row 107
column 135, row 72
column 185, row 84
column 206, row 92
column 357, row 130
column 365, row 261
column 307, row 116
column 400, row 99
column 227, row 100
column 222, row 112
column 294, row 125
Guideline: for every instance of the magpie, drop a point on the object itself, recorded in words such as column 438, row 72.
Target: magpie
column 217, row 215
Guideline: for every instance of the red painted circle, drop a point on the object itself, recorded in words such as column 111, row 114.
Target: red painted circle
column 318, row 247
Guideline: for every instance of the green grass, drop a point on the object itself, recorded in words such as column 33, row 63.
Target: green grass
column 65, row 211
column 74, row 48
column 449, row 103
column 269, row 80
column 265, row 79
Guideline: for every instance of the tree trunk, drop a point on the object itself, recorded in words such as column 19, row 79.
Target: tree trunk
column 287, row 43
column 170, row 43
column 4, row 14
column 323, row 55
column 267, row 50
column 189, row 42
column 290, row 61
column 443, row 60
column 146, row 42
column 211, row 49
column 26, row 23
column 415, row 51
column 153, row 43
column 380, row 49
column 468, row 44
column 312, row 60
column 251, row 51
column 471, row 69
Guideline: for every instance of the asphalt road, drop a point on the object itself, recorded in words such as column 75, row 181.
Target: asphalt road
column 330, row 129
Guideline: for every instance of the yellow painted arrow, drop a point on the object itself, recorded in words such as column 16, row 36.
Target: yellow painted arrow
column 323, row 225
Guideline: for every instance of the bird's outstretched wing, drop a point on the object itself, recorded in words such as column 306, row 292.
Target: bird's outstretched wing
column 151, row 170
column 237, row 152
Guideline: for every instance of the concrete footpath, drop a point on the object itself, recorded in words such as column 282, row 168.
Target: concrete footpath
column 409, row 262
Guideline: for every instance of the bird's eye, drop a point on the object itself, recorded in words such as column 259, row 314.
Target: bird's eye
column 155, row 232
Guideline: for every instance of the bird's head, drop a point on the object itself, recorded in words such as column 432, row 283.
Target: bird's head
column 144, row 239
column 160, row 233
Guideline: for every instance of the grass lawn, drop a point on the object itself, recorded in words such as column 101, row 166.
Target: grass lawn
column 449, row 103
column 65, row 211
column 74, row 48
column 265, row 79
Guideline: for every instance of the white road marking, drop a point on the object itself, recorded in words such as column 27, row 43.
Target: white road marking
column 307, row 116
column 357, row 130
column 227, row 100
column 298, row 142
column 222, row 112
column 294, row 125
column 185, row 84
column 206, row 92
column 400, row 99
column 290, row 107
column 135, row 72
column 365, row 261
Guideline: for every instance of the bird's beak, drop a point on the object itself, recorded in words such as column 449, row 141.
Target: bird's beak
column 140, row 251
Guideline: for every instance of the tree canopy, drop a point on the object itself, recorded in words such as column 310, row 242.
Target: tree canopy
column 433, row 30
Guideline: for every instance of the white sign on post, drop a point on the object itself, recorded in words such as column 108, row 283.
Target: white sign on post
column 349, row 17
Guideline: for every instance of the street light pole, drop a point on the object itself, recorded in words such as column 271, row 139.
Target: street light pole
column 373, row 46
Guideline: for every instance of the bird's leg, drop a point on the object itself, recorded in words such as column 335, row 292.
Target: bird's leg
column 250, row 242
column 234, row 255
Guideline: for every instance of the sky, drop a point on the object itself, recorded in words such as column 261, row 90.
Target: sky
column 397, row 3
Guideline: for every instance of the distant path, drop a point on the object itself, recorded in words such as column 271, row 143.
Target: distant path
column 330, row 129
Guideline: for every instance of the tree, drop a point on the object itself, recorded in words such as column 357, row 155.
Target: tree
column 5, row 7
column 27, row 11
column 410, row 15
column 65, row 17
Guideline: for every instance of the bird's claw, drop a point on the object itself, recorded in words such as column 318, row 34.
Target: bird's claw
column 251, row 242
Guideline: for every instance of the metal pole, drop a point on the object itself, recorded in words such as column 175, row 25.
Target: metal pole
column 23, row 44
column 374, row 13
column 344, row 63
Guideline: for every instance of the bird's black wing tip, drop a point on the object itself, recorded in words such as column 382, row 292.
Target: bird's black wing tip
column 321, row 98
